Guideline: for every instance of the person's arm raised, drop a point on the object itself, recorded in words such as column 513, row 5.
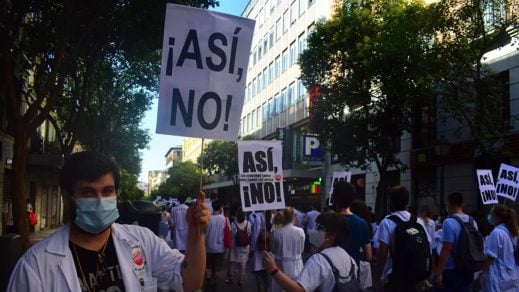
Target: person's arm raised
column 193, row 267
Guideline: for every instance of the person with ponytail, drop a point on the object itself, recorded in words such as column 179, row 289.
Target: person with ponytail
column 500, row 271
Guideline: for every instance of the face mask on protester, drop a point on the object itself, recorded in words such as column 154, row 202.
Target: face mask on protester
column 316, row 237
column 491, row 220
column 94, row 215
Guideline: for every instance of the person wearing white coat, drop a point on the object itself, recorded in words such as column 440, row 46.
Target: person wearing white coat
column 317, row 275
column 94, row 253
column 287, row 245
column 179, row 224
column 500, row 270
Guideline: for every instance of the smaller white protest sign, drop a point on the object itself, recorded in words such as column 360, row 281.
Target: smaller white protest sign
column 338, row 176
column 261, row 175
column 487, row 189
column 507, row 182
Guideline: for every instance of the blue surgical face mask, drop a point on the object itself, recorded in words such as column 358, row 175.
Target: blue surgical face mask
column 94, row 215
column 491, row 220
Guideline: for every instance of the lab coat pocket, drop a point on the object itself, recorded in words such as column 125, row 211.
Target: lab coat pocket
column 150, row 285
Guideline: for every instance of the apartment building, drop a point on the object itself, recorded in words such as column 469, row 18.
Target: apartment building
column 276, row 107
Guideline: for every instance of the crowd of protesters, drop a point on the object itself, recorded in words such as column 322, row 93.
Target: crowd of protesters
column 347, row 249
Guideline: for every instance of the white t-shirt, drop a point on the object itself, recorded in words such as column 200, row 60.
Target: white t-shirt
column 214, row 235
column 317, row 273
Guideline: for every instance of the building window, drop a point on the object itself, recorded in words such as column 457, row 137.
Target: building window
column 286, row 21
column 271, row 72
column 260, row 82
column 277, row 70
column 283, row 99
column 302, row 6
column 258, row 116
column 272, row 106
column 279, row 28
column 293, row 12
column 284, row 65
column 291, row 94
column 265, row 44
column 272, row 33
column 265, row 112
column 272, row 6
column 254, row 56
column 253, row 87
column 293, row 53
column 279, row 103
column 265, row 74
column 260, row 17
column 253, row 119
column 302, row 90
column 301, row 43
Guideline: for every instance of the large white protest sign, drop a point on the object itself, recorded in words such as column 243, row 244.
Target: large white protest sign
column 507, row 182
column 261, row 175
column 338, row 176
column 203, row 71
column 487, row 189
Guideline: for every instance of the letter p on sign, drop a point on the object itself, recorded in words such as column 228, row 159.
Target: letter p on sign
column 311, row 143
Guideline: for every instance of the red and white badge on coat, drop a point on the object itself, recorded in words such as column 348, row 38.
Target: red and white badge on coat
column 138, row 258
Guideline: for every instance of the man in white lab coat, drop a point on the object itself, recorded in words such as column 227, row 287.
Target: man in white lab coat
column 94, row 253
column 179, row 224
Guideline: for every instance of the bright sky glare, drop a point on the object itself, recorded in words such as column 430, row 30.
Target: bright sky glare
column 153, row 157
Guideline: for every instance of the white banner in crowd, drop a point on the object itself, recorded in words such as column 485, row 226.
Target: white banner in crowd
column 205, row 55
column 261, row 175
column 338, row 176
column 487, row 189
column 507, row 182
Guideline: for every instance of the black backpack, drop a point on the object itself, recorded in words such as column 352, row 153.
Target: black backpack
column 351, row 286
column 411, row 253
column 469, row 255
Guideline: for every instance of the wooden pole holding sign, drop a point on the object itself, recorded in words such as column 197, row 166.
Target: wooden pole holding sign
column 202, row 164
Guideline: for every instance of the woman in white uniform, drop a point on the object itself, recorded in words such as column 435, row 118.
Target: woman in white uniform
column 287, row 244
column 500, row 271
column 329, row 235
column 239, row 254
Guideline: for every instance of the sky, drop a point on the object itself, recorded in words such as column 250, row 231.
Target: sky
column 153, row 157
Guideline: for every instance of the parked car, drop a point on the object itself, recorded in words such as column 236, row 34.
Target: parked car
column 139, row 212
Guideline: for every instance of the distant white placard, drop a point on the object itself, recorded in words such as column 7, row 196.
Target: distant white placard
column 338, row 176
column 507, row 182
column 261, row 175
column 205, row 55
column 487, row 189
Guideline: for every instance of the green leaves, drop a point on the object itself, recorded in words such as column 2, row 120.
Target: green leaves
column 370, row 63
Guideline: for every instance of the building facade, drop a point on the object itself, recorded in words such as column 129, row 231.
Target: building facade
column 276, row 107
column 173, row 154
column 156, row 178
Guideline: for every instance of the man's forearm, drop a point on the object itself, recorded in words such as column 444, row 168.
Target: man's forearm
column 194, row 262
column 442, row 261
column 368, row 252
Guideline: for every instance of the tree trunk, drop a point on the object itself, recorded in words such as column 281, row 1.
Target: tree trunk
column 381, row 200
column 20, row 157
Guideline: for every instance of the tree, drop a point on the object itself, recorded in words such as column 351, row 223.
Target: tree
column 184, row 179
column 128, row 189
column 370, row 64
column 43, row 42
column 471, row 93
column 222, row 157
